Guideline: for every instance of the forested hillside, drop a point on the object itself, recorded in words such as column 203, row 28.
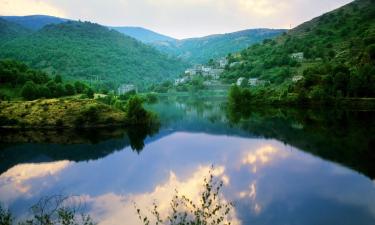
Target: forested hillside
column 332, row 56
column 201, row 50
column 9, row 30
column 93, row 53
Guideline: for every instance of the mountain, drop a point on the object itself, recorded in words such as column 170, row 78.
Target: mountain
column 9, row 30
column 201, row 50
column 143, row 35
column 90, row 52
column 34, row 22
column 327, row 58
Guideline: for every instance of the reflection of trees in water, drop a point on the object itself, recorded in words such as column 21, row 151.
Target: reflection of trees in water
column 343, row 136
column 76, row 145
column 138, row 134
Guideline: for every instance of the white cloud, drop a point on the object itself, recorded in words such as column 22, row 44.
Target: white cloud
column 15, row 181
column 111, row 208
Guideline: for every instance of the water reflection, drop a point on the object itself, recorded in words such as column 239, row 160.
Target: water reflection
column 268, row 162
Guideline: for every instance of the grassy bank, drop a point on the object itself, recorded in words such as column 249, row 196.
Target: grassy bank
column 59, row 113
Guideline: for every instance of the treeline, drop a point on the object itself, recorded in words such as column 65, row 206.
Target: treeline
column 33, row 84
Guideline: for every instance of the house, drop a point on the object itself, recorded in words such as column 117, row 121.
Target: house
column 125, row 88
column 215, row 73
column 299, row 56
column 240, row 81
column 223, row 62
column 191, row 72
column 253, row 81
column 295, row 79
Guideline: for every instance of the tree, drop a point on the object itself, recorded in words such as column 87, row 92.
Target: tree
column 58, row 79
column 79, row 86
column 30, row 91
column 90, row 93
column 69, row 89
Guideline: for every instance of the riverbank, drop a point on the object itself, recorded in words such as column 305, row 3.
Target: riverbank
column 59, row 113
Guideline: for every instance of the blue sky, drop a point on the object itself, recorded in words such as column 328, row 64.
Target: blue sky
column 180, row 18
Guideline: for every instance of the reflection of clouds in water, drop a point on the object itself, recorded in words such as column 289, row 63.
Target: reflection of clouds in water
column 14, row 182
column 113, row 209
column 262, row 156
column 252, row 194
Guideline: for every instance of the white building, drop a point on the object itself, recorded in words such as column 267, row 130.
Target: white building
column 125, row 88
column 253, row 81
column 295, row 79
column 191, row 72
column 223, row 62
column 299, row 56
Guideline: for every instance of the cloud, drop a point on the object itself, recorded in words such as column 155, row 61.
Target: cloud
column 16, row 181
column 29, row 7
column 183, row 18
column 112, row 208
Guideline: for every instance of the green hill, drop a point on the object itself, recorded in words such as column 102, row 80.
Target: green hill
column 9, row 30
column 329, row 57
column 201, row 50
column 90, row 52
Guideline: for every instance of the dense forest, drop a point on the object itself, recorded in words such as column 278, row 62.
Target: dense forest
column 93, row 53
column 18, row 81
column 201, row 50
column 329, row 57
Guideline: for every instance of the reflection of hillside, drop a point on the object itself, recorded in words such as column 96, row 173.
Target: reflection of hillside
column 46, row 146
column 345, row 137
column 340, row 136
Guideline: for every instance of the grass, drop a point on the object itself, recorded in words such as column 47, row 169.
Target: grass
column 59, row 113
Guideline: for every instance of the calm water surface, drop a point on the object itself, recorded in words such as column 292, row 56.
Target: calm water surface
column 279, row 166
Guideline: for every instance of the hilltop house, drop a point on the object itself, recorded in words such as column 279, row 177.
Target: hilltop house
column 125, row 88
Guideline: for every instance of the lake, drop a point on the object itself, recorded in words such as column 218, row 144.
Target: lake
column 279, row 166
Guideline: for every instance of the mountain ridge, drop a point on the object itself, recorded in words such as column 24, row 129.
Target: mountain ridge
column 202, row 49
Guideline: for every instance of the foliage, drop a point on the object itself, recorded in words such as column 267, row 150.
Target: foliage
column 54, row 210
column 211, row 208
column 92, row 53
column 33, row 83
column 6, row 217
column 60, row 113
column 338, row 62
column 136, row 114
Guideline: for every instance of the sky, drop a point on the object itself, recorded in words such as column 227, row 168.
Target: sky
column 179, row 18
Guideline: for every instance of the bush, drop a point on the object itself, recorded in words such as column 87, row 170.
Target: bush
column 29, row 91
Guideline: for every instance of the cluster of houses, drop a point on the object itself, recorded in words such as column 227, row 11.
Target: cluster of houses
column 213, row 72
